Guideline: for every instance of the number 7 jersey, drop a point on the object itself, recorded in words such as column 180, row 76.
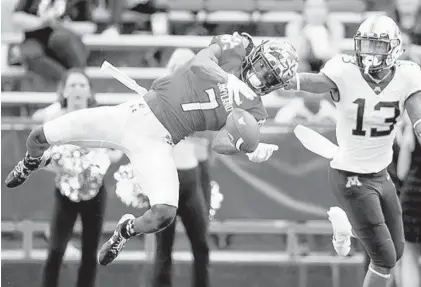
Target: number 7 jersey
column 185, row 103
column 366, row 116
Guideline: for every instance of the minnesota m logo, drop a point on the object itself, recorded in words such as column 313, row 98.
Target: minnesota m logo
column 353, row 181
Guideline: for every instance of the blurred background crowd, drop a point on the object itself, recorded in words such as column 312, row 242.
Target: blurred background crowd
column 53, row 47
column 47, row 42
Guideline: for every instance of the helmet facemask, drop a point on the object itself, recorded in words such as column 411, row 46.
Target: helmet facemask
column 261, row 70
column 375, row 53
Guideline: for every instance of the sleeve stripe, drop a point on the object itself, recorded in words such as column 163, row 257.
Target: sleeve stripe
column 239, row 142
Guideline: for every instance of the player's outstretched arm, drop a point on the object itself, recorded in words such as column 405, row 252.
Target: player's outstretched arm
column 205, row 64
column 312, row 83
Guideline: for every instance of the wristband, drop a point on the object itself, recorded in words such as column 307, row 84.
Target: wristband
column 297, row 78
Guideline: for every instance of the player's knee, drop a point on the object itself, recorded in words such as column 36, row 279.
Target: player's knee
column 385, row 255
column 399, row 247
column 380, row 246
column 164, row 215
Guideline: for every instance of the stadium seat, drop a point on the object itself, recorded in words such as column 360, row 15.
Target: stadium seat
column 103, row 16
column 279, row 6
column 278, row 11
column 184, row 10
column 275, row 15
column 82, row 28
column 357, row 6
column 229, row 11
column 186, row 5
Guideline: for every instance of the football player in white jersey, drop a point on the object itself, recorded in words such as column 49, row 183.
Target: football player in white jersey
column 371, row 90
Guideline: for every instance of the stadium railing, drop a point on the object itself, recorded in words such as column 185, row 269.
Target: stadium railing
column 122, row 42
column 129, row 42
column 96, row 73
column 40, row 98
column 275, row 227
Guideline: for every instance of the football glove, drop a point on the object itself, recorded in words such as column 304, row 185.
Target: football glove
column 235, row 86
column 262, row 153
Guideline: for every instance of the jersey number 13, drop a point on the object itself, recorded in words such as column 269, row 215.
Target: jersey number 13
column 359, row 131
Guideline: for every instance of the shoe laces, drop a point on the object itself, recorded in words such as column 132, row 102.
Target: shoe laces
column 21, row 170
column 117, row 242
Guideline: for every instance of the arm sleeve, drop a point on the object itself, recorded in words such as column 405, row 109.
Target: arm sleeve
column 231, row 45
column 180, row 57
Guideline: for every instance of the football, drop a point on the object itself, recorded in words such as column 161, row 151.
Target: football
column 243, row 130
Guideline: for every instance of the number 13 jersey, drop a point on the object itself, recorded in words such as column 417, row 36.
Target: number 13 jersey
column 185, row 103
column 366, row 116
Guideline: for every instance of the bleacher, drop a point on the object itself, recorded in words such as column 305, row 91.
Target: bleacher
column 256, row 12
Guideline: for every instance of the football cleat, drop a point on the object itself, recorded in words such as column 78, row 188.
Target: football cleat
column 342, row 230
column 25, row 168
column 110, row 250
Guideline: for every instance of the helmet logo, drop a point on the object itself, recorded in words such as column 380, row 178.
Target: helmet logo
column 282, row 62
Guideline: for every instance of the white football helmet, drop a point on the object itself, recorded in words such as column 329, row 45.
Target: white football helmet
column 377, row 44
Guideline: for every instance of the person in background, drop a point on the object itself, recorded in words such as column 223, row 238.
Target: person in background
column 202, row 145
column 157, row 22
column 50, row 48
column 79, row 188
column 409, row 173
column 194, row 214
column 379, row 5
column 407, row 14
column 315, row 35
column 201, row 140
column 193, row 208
column 192, row 211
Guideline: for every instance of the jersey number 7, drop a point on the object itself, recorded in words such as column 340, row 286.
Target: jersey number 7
column 210, row 105
column 358, row 131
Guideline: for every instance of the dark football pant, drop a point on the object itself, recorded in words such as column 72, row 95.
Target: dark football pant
column 194, row 215
column 374, row 210
column 204, row 176
column 64, row 217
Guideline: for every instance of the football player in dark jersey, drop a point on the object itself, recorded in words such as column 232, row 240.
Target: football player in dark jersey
column 197, row 97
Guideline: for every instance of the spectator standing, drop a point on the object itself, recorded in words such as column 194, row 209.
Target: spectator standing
column 316, row 36
column 79, row 186
column 409, row 172
column 50, row 48
column 407, row 14
column 203, row 151
column 191, row 207
column 195, row 217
